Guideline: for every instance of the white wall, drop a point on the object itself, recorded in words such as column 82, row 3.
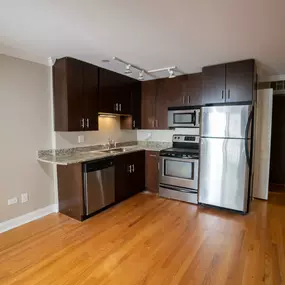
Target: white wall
column 163, row 136
column 273, row 78
column 25, row 124
column 109, row 127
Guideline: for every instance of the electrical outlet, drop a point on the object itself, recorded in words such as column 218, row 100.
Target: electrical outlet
column 148, row 136
column 81, row 139
column 12, row 201
column 24, row 197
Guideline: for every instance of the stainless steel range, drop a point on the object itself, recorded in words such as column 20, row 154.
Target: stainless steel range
column 179, row 169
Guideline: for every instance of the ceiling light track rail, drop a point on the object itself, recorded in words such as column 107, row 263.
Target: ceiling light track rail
column 171, row 70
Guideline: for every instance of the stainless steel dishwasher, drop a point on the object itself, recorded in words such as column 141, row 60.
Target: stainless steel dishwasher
column 99, row 184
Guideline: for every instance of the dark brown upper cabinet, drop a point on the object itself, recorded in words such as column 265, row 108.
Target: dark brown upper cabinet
column 133, row 121
column 214, row 84
column 114, row 92
column 184, row 90
column 136, row 104
column 75, row 91
column 240, row 78
column 158, row 95
column 229, row 83
column 148, row 104
column 194, row 89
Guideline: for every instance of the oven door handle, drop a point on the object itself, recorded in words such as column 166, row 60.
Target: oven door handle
column 179, row 159
column 194, row 119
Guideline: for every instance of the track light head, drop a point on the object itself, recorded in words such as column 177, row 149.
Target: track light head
column 141, row 77
column 171, row 73
column 128, row 69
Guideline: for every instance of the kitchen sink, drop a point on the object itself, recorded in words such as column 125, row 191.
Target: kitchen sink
column 114, row 150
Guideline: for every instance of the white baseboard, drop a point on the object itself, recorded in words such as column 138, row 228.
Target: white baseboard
column 16, row 222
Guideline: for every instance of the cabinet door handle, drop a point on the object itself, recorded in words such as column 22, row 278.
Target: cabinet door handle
column 152, row 155
column 188, row 99
column 229, row 94
column 133, row 168
column 82, row 123
column 117, row 107
column 87, row 123
column 222, row 94
column 120, row 107
column 158, row 166
column 153, row 123
column 130, row 169
column 183, row 99
column 157, row 123
column 134, row 123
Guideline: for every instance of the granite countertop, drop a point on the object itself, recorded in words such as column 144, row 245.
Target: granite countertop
column 79, row 155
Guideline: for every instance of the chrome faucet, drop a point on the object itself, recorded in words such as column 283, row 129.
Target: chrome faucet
column 111, row 143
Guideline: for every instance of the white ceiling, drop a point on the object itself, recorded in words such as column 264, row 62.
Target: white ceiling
column 151, row 34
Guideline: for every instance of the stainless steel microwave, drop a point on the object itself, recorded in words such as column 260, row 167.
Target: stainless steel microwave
column 183, row 117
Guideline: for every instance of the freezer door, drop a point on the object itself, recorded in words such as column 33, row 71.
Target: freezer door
column 224, row 173
column 226, row 121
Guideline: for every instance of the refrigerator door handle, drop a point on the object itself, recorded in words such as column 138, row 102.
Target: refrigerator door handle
column 246, row 137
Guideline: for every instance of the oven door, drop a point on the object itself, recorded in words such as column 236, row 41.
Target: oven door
column 182, row 118
column 179, row 172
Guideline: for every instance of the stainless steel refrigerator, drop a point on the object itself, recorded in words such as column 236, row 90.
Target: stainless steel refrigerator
column 225, row 156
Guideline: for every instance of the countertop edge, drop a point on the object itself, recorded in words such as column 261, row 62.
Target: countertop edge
column 70, row 161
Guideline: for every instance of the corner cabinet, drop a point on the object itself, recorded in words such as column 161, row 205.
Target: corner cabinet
column 229, row 83
column 75, row 91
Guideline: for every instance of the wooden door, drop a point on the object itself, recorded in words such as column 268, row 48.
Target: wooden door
column 148, row 104
column 122, row 177
column 173, row 90
column 76, row 101
column 123, row 93
column 138, row 173
column 240, row 81
column 70, row 190
column 194, row 89
column 68, row 95
column 152, row 171
column 214, row 84
column 136, row 104
column 107, row 91
column 165, row 97
column 277, row 165
column 91, row 96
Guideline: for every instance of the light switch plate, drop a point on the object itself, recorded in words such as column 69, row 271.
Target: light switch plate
column 81, row 139
column 24, row 197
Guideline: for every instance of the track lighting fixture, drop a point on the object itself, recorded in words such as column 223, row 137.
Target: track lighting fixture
column 128, row 69
column 142, row 72
column 141, row 75
column 171, row 73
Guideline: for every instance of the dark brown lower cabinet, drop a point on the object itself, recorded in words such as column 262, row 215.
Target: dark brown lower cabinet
column 152, row 171
column 129, row 180
column 70, row 190
column 129, row 175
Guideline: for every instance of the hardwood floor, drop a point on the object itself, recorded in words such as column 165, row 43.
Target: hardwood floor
column 150, row 240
